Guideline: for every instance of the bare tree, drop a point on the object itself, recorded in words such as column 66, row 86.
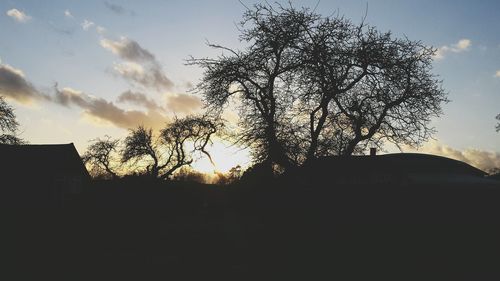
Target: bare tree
column 367, row 87
column 311, row 86
column 138, row 145
column 8, row 124
column 172, row 149
column 101, row 157
column 260, row 76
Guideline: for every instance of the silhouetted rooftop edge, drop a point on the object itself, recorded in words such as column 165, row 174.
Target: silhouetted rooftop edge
column 19, row 146
column 41, row 158
column 395, row 163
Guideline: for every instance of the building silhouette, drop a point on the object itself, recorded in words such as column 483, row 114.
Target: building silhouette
column 40, row 175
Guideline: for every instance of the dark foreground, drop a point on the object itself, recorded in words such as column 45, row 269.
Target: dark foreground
column 130, row 230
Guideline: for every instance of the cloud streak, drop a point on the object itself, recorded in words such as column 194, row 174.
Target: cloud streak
column 114, row 8
column 117, row 9
column 461, row 46
column 103, row 110
column 140, row 66
column 128, row 50
column 18, row 16
column 61, row 30
column 184, row 103
column 14, row 85
column 139, row 99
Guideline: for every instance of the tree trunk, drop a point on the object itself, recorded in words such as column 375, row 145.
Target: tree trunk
column 350, row 147
column 315, row 131
column 276, row 153
column 154, row 172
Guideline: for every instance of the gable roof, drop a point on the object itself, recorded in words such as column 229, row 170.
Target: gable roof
column 47, row 160
column 396, row 163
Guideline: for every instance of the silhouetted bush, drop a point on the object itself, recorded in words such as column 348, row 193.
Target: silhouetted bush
column 187, row 174
column 258, row 173
column 231, row 177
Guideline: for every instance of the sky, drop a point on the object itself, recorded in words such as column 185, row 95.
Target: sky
column 78, row 70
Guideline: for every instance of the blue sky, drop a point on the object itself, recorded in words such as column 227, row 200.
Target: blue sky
column 50, row 47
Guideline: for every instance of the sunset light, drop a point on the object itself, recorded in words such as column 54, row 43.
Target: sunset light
column 101, row 71
column 250, row 139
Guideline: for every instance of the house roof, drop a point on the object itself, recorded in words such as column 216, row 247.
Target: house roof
column 396, row 163
column 39, row 160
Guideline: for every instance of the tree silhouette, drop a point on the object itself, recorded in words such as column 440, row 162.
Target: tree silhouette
column 366, row 87
column 260, row 75
column 8, row 124
column 101, row 157
column 310, row 86
column 172, row 149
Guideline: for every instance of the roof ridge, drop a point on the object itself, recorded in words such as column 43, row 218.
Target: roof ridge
column 39, row 144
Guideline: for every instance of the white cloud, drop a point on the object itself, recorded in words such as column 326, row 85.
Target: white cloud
column 17, row 15
column 68, row 14
column 461, row 46
column 129, row 69
column 16, row 71
column 101, row 30
column 86, row 24
column 497, row 74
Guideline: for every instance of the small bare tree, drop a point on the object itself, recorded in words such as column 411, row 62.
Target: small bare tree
column 8, row 124
column 138, row 145
column 101, row 157
column 172, row 149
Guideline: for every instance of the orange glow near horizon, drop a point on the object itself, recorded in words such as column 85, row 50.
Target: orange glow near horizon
column 224, row 156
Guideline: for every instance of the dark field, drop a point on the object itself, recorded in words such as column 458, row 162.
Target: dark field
column 144, row 231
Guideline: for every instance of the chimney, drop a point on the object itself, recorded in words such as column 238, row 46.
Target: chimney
column 373, row 151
